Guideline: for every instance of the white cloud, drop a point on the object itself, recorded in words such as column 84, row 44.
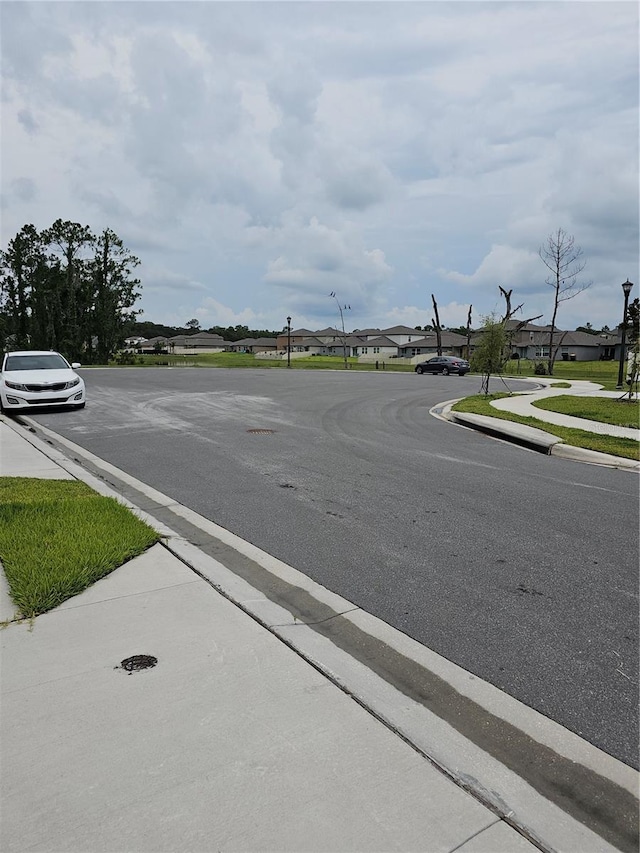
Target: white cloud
column 501, row 266
column 314, row 260
column 264, row 155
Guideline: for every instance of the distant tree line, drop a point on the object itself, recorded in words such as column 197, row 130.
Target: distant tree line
column 67, row 289
column 145, row 329
column 588, row 328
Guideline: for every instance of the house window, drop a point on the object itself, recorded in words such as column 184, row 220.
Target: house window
column 542, row 352
column 365, row 350
column 376, row 349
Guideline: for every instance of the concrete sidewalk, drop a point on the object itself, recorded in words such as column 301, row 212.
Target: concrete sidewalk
column 523, row 404
column 232, row 740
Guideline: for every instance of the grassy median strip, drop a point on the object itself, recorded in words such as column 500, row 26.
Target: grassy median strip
column 57, row 537
column 481, row 405
column 608, row 410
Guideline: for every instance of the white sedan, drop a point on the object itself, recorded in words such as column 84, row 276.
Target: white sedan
column 34, row 378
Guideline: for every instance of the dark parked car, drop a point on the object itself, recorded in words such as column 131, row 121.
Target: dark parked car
column 444, row 364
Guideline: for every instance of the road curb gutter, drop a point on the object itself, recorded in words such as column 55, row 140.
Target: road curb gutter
column 531, row 438
column 528, row 436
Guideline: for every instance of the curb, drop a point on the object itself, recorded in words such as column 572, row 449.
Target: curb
column 528, row 436
column 532, row 438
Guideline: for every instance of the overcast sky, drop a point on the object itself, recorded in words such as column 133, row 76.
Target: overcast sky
column 259, row 156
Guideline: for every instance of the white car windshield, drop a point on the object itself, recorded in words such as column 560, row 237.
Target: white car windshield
column 47, row 361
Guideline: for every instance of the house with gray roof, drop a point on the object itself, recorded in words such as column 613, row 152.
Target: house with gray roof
column 153, row 345
column 199, row 342
column 452, row 344
column 296, row 336
column 533, row 342
column 379, row 347
column 399, row 334
column 311, row 345
column 254, row 345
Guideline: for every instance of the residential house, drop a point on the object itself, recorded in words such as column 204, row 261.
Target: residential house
column 533, row 342
column 452, row 344
column 329, row 335
column 133, row 343
column 200, row 342
column 310, row 345
column 152, row 345
column 296, row 336
column 376, row 347
column 254, row 345
column 400, row 335
column 394, row 342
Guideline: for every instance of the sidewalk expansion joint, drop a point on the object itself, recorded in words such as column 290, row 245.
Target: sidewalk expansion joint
column 474, row 835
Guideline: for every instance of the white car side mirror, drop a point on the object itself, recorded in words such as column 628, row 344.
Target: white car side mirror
column 75, row 364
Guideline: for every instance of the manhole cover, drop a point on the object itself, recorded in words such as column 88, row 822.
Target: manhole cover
column 138, row 662
column 261, row 431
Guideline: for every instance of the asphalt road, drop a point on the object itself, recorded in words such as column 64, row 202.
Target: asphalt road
column 522, row 568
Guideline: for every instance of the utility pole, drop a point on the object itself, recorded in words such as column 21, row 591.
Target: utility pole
column 341, row 309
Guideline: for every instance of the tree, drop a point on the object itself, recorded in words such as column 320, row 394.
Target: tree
column 494, row 349
column 437, row 326
column 194, row 325
column 68, row 239
column 563, row 259
column 489, row 356
column 509, row 311
column 633, row 356
column 20, row 266
column 54, row 294
column 468, row 333
column 115, row 292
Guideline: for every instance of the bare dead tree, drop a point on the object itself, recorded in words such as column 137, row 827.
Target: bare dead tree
column 509, row 311
column 437, row 326
column 468, row 353
column 563, row 259
column 508, row 315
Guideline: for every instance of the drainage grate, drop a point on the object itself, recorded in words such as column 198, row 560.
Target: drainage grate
column 138, row 662
column 261, row 431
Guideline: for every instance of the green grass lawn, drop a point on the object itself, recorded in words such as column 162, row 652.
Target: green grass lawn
column 57, row 537
column 624, row 413
column 604, row 373
column 238, row 359
column 481, row 405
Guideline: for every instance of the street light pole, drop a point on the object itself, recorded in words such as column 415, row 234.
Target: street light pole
column 344, row 334
column 288, row 341
column 626, row 287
